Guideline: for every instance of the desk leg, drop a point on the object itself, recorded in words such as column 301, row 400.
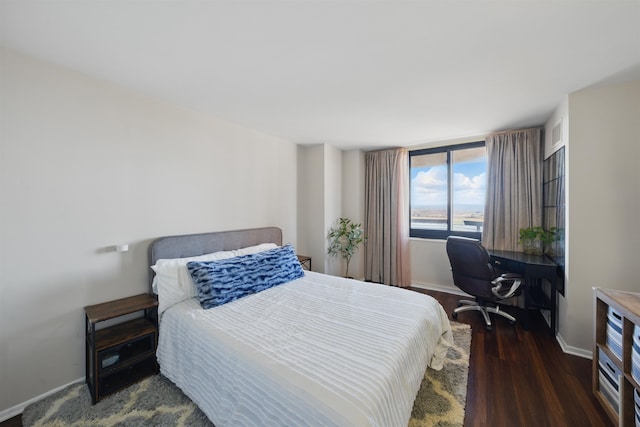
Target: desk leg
column 529, row 303
column 554, row 305
column 528, row 283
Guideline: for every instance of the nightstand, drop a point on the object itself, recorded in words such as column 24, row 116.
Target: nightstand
column 120, row 355
column 305, row 261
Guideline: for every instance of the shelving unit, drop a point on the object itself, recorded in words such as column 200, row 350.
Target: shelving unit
column 121, row 354
column 611, row 366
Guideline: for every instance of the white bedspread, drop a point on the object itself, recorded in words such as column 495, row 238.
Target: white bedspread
column 318, row 351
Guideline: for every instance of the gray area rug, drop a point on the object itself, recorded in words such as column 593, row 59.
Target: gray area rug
column 155, row 401
column 442, row 396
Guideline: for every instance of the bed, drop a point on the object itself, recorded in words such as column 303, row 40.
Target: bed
column 313, row 350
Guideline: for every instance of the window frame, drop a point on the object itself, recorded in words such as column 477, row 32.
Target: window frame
column 442, row 234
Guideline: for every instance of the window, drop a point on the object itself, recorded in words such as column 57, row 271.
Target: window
column 448, row 191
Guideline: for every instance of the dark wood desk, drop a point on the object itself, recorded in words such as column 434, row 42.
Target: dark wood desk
column 534, row 268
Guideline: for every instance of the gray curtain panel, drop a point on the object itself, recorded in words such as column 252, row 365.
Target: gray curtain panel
column 386, row 250
column 514, row 187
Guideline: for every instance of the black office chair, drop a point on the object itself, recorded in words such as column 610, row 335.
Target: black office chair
column 474, row 274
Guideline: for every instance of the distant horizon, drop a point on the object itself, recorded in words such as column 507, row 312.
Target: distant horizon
column 456, row 206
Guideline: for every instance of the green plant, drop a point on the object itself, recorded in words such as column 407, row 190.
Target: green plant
column 345, row 239
column 534, row 238
column 549, row 236
column 530, row 233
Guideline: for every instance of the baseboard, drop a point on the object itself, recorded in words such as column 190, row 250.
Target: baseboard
column 576, row 351
column 567, row 349
column 19, row 409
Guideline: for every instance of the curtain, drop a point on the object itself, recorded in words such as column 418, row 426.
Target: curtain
column 514, row 187
column 386, row 249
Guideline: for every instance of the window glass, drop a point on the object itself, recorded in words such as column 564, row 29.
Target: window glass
column 429, row 183
column 469, row 182
column 448, row 190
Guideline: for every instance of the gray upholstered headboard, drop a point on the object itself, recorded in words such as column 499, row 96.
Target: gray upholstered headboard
column 204, row 243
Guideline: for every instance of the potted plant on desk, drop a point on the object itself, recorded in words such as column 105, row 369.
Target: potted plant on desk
column 535, row 239
column 549, row 238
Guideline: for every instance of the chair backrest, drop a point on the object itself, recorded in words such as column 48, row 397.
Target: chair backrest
column 472, row 271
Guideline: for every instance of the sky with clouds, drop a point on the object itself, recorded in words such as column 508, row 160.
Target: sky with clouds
column 429, row 184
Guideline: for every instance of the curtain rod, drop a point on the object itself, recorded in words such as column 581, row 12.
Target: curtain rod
column 386, row 149
column 516, row 130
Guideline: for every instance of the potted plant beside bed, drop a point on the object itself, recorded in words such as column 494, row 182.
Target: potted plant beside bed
column 345, row 239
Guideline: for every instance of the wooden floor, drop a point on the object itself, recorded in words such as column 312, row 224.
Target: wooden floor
column 517, row 377
column 522, row 378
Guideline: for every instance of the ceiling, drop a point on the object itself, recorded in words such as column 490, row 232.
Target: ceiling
column 353, row 74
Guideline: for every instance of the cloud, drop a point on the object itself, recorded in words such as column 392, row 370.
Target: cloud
column 469, row 190
column 429, row 187
column 461, row 182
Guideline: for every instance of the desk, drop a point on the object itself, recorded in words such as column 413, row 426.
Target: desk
column 534, row 268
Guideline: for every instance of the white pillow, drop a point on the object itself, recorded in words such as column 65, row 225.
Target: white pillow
column 167, row 284
column 249, row 250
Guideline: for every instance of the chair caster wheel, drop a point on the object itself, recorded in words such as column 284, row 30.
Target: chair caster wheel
column 454, row 315
column 489, row 328
column 512, row 322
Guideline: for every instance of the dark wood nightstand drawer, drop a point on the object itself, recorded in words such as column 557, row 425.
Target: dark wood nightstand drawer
column 114, row 357
column 123, row 377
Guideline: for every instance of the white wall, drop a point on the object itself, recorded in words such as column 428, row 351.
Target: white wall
column 430, row 265
column 604, row 201
column 332, row 204
column 353, row 201
column 311, row 207
column 85, row 165
column 321, row 203
column 311, row 204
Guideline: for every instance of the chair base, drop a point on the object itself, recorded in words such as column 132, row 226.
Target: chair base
column 468, row 305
